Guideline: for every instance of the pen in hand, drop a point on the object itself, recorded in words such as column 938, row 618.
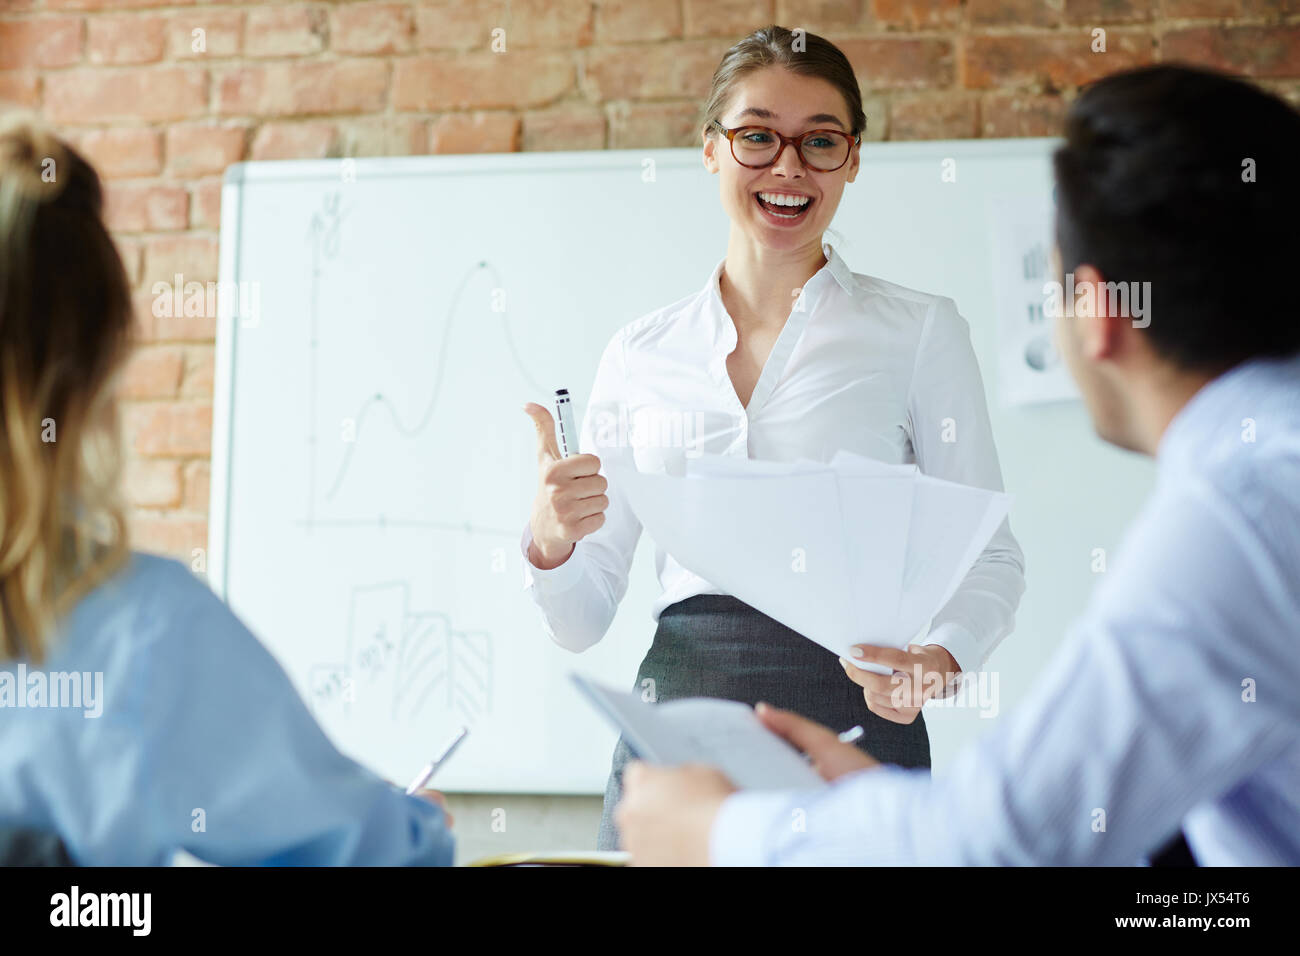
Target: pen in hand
column 848, row 737
column 432, row 766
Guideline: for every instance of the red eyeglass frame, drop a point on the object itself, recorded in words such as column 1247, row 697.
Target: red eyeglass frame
column 795, row 141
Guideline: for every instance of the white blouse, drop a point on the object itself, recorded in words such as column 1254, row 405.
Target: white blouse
column 861, row 364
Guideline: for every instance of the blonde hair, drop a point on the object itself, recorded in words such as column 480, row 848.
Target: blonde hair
column 65, row 328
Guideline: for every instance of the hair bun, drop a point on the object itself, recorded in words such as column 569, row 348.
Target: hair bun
column 33, row 161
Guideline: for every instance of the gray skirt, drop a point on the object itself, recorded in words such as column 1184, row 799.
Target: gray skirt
column 714, row 645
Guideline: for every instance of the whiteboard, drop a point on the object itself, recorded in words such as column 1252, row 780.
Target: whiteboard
column 373, row 469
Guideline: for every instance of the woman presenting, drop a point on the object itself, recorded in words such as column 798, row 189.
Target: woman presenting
column 784, row 354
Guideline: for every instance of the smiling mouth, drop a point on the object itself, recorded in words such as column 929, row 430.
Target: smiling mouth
column 788, row 213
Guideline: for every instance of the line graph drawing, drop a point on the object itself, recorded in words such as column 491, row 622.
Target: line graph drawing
column 403, row 663
column 379, row 399
column 325, row 236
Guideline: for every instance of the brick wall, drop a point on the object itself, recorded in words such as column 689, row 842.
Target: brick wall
column 162, row 109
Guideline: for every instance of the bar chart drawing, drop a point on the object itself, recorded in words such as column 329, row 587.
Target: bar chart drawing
column 403, row 665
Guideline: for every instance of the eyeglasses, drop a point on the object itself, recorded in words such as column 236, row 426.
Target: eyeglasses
column 757, row 147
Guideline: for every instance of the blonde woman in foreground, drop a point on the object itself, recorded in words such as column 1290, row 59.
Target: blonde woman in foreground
column 138, row 716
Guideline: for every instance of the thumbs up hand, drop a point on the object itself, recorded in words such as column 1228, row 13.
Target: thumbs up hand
column 571, row 499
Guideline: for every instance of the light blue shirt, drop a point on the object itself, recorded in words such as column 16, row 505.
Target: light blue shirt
column 201, row 743
column 1175, row 700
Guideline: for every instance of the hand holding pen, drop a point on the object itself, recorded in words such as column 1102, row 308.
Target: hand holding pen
column 833, row 755
column 571, row 499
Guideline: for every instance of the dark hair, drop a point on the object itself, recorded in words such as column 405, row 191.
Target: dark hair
column 1188, row 179
column 804, row 53
column 65, row 328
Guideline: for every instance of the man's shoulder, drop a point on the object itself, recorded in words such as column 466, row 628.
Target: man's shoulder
column 1258, row 481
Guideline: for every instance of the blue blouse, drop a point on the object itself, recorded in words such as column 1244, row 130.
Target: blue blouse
column 176, row 729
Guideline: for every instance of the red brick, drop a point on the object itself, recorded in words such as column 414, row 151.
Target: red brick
column 933, row 116
column 653, row 71
column 298, row 89
column 197, row 381
column 113, row 4
column 654, row 125
column 727, row 18
column 284, row 31
column 198, row 476
column 171, row 328
column 1014, row 13
column 164, row 429
column 824, row 16
column 205, row 205
column 131, row 252
column 162, row 318
column 921, row 14
column 1093, row 12
column 122, row 151
column 474, row 133
column 1005, row 115
column 1218, row 9
column 129, row 39
column 1255, row 51
column 900, row 62
column 383, row 136
column 876, row 109
column 152, row 484
column 193, row 257
column 481, row 81
column 222, row 34
column 142, row 318
column 19, row 88
column 455, row 25
column 185, row 328
column 152, row 371
column 169, row 535
column 197, row 149
column 295, row 141
column 561, row 24
column 618, row 21
column 43, row 42
column 372, row 28
column 146, row 207
column 1051, row 61
column 98, row 96
column 564, row 127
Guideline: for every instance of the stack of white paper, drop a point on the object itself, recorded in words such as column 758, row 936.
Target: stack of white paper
column 850, row 552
